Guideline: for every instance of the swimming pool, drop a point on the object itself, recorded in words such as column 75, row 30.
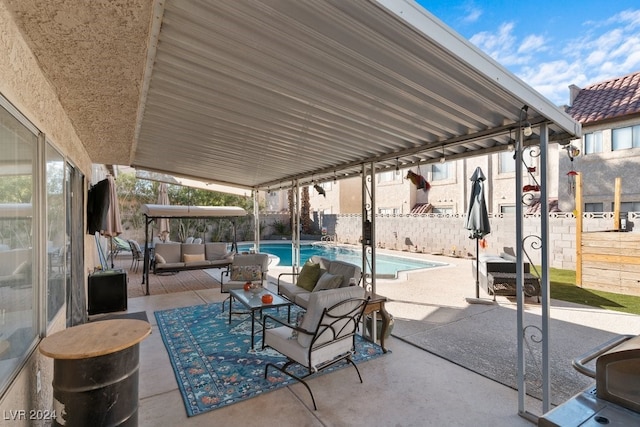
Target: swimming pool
column 386, row 265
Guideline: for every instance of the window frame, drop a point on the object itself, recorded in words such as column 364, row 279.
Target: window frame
column 618, row 133
column 16, row 129
column 593, row 147
column 441, row 171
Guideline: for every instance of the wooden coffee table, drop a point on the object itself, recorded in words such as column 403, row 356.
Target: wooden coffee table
column 253, row 303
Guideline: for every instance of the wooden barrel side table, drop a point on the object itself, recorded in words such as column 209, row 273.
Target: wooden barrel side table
column 95, row 372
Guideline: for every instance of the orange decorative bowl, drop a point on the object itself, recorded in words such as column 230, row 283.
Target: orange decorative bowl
column 247, row 286
column 267, row 298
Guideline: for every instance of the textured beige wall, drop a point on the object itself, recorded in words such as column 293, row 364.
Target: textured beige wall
column 22, row 83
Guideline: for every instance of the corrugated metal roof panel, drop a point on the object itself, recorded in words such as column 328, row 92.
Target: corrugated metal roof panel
column 257, row 93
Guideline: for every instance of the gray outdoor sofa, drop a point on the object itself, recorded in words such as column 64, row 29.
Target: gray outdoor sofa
column 333, row 274
column 172, row 257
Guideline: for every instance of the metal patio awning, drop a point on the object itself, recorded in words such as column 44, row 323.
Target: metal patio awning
column 258, row 93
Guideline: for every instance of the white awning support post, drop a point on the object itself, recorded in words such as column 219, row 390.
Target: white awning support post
column 256, row 221
column 368, row 239
column 295, row 227
column 532, row 334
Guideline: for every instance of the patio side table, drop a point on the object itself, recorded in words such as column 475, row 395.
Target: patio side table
column 253, row 302
column 95, row 372
column 376, row 304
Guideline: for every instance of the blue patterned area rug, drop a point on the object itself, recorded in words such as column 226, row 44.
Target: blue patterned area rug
column 212, row 360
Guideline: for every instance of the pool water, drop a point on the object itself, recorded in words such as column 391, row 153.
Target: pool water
column 386, row 265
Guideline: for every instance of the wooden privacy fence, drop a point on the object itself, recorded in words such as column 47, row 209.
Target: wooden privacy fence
column 607, row 260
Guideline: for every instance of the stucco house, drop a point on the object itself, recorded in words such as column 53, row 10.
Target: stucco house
column 609, row 112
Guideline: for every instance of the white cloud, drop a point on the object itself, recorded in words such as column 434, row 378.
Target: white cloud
column 532, row 43
column 472, row 14
column 503, row 46
column 629, row 17
column 596, row 57
column 499, row 46
column 605, row 49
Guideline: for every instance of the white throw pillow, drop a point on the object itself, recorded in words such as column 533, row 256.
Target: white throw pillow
column 328, row 281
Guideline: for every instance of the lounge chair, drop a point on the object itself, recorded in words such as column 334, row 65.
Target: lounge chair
column 119, row 245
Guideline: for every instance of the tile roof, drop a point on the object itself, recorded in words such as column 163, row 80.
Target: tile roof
column 607, row 100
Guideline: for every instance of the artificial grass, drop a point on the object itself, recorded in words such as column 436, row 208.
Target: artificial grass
column 563, row 287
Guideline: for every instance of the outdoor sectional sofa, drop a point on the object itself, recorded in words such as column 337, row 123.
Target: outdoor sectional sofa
column 172, row 257
column 497, row 274
column 330, row 274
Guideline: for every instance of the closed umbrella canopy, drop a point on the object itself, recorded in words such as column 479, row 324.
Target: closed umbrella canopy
column 163, row 223
column 477, row 217
column 112, row 226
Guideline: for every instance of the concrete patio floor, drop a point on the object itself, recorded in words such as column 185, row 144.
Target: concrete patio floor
column 407, row 387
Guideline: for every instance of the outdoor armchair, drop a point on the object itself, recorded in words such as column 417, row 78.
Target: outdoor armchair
column 324, row 337
column 136, row 254
column 245, row 268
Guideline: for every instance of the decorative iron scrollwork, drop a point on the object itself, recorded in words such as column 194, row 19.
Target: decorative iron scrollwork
column 533, row 338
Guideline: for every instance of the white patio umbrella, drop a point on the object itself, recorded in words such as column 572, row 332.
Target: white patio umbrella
column 112, row 226
column 163, row 223
column 477, row 217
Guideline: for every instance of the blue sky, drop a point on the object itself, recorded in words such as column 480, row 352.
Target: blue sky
column 550, row 44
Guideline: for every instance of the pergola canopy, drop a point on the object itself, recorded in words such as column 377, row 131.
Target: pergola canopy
column 175, row 211
column 259, row 93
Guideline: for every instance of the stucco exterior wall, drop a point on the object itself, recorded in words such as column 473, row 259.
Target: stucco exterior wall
column 22, row 83
column 599, row 170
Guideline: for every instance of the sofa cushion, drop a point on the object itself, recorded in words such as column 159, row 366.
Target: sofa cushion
column 508, row 257
column 318, row 301
column 291, row 291
column 192, row 257
column 160, row 259
column 301, row 299
column 170, row 266
column 308, row 276
column 344, row 269
column 192, row 248
column 171, row 252
column 324, row 262
column 215, row 251
column 328, row 281
column 246, row 273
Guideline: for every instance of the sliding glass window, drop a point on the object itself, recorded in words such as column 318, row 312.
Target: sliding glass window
column 57, row 235
column 19, row 294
